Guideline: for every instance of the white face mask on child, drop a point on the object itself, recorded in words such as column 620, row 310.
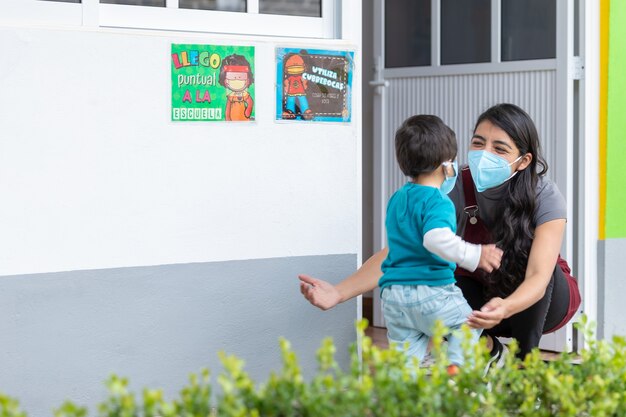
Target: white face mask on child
column 448, row 182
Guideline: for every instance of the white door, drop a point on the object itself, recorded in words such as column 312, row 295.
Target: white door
column 456, row 58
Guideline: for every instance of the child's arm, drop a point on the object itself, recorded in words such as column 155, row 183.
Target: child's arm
column 445, row 244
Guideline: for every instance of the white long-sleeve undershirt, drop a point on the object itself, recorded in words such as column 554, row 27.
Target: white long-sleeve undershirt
column 445, row 244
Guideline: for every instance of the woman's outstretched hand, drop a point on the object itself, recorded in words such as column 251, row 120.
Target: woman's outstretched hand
column 490, row 315
column 319, row 293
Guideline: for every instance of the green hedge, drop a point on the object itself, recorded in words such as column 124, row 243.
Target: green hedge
column 384, row 384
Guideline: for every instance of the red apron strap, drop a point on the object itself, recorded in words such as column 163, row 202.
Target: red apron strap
column 468, row 187
column 475, row 230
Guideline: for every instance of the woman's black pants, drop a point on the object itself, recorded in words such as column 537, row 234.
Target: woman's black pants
column 526, row 326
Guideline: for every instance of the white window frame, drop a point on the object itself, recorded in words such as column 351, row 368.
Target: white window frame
column 39, row 13
column 92, row 13
column 494, row 65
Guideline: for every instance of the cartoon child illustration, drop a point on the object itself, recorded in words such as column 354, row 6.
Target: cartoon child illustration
column 294, row 88
column 236, row 75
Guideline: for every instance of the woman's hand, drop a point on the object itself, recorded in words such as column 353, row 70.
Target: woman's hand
column 325, row 296
column 318, row 292
column 490, row 315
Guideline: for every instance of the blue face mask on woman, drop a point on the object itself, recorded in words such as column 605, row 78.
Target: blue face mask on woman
column 489, row 170
column 448, row 182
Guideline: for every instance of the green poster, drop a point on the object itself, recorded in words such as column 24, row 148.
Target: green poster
column 212, row 83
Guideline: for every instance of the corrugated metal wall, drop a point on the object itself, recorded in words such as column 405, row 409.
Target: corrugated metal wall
column 460, row 99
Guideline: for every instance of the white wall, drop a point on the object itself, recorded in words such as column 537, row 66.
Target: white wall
column 93, row 174
column 95, row 178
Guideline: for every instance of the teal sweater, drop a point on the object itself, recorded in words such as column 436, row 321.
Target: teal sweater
column 412, row 211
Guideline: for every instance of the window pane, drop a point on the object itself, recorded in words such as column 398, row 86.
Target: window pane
column 312, row 8
column 528, row 29
column 221, row 5
column 407, row 33
column 159, row 3
column 465, row 31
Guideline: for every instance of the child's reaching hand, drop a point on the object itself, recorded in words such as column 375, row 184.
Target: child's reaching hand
column 490, row 257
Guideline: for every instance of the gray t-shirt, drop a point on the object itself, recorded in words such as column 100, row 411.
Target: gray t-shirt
column 550, row 203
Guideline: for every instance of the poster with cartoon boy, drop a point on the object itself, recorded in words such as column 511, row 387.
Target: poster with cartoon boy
column 313, row 85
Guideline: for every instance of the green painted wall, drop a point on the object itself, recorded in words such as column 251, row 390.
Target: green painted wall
column 616, row 123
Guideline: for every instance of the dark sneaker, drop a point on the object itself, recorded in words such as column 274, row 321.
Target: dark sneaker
column 497, row 355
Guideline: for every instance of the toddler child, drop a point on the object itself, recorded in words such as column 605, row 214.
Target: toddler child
column 417, row 286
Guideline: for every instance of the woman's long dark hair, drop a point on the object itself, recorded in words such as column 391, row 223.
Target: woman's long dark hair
column 514, row 229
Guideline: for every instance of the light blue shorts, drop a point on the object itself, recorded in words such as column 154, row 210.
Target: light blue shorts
column 411, row 312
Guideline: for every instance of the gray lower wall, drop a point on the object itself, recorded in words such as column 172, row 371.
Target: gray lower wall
column 611, row 288
column 62, row 334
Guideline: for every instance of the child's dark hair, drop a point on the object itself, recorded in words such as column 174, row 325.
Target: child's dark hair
column 422, row 143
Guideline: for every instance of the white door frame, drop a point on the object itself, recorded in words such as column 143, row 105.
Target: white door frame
column 588, row 158
column 381, row 158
